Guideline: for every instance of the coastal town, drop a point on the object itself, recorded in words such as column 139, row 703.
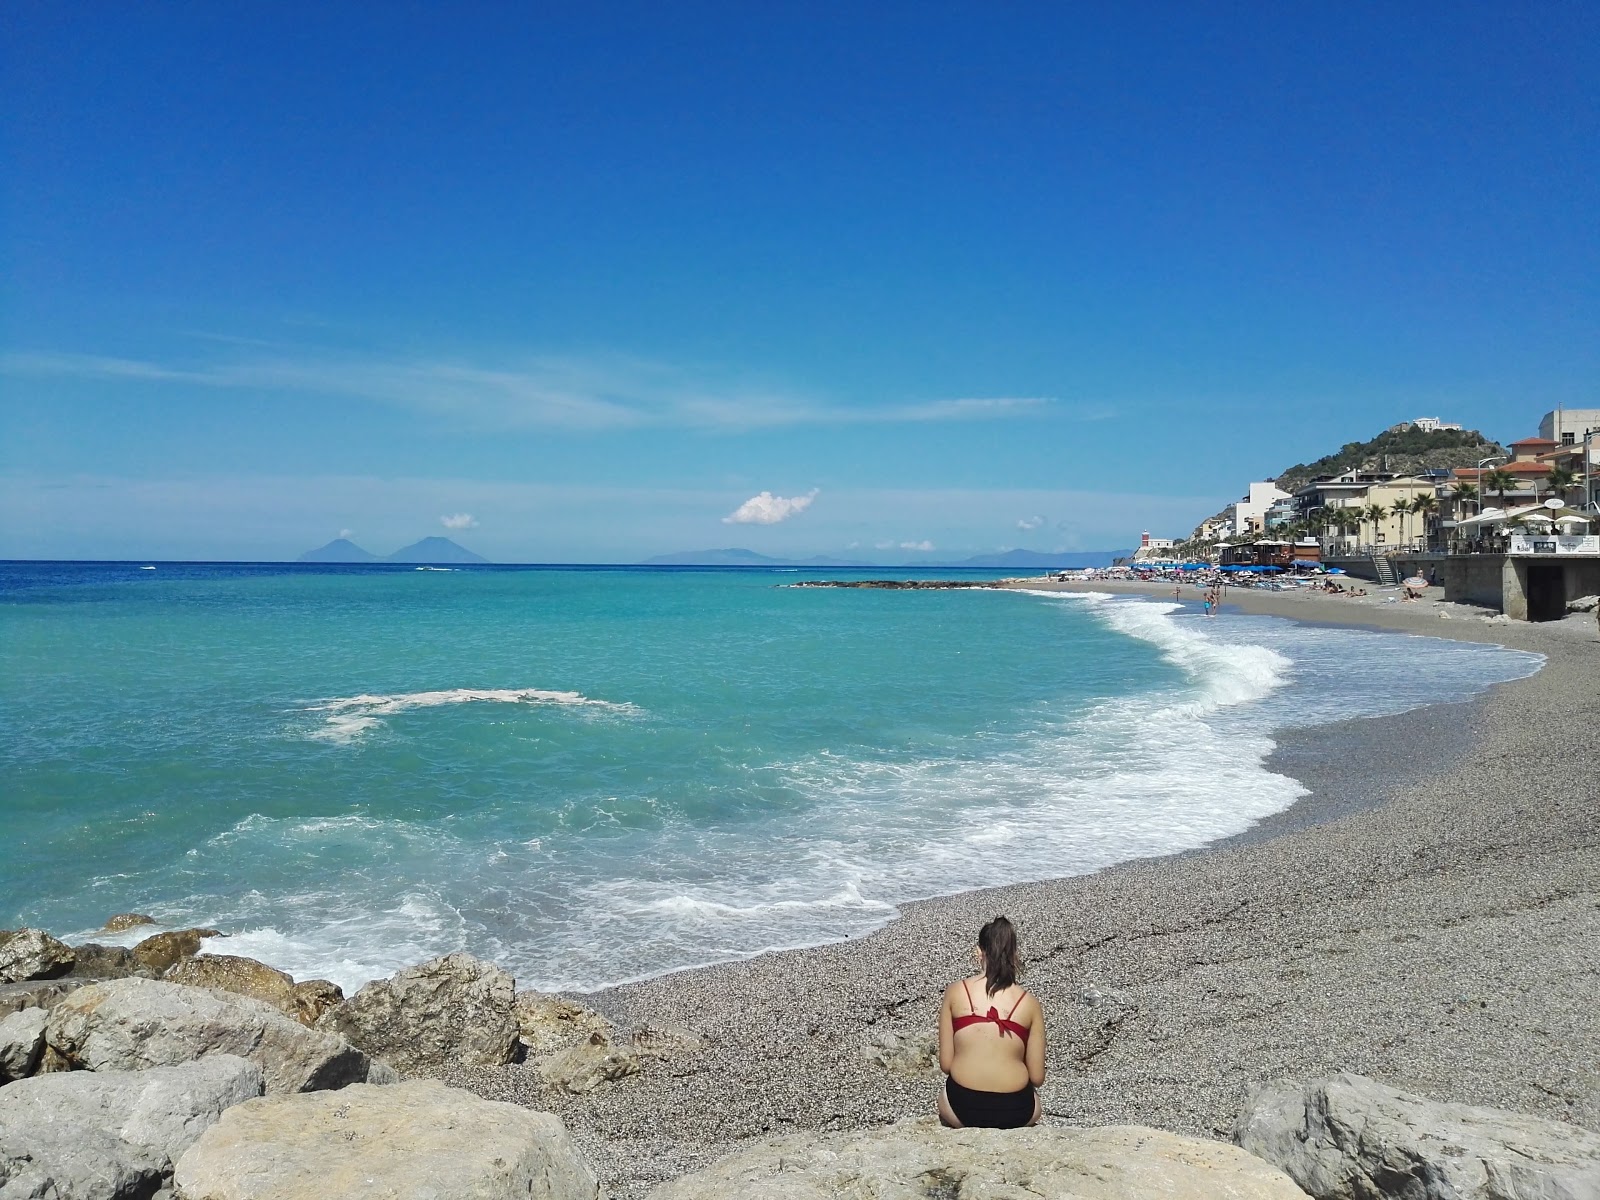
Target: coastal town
column 1516, row 530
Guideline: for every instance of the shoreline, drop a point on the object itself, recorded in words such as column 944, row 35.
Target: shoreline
column 1424, row 915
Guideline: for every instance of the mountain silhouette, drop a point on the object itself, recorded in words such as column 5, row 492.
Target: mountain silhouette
column 434, row 550
column 340, row 550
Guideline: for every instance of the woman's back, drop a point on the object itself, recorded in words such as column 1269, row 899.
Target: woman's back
column 990, row 1035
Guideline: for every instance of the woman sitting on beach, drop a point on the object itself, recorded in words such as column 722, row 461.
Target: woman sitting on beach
column 991, row 1040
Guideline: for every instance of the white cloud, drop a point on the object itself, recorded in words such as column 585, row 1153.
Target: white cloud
column 767, row 509
column 600, row 392
column 883, row 545
column 923, row 545
column 345, row 533
column 1029, row 524
column 459, row 521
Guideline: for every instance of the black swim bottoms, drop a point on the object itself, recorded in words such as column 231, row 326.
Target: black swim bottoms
column 989, row 1110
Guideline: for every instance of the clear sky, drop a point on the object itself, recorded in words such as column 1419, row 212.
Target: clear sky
column 582, row 282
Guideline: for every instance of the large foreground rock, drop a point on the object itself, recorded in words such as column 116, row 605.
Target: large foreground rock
column 84, row 1136
column 38, row 993
column 1350, row 1138
column 918, row 1160
column 21, row 1043
column 130, row 1024
column 419, row 1139
column 453, row 1010
column 27, row 954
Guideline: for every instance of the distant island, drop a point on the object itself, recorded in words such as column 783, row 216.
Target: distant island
column 432, row 551
column 1009, row 560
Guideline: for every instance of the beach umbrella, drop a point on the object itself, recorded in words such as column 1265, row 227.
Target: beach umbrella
column 1335, row 570
column 1416, row 581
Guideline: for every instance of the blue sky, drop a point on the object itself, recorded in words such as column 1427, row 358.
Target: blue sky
column 585, row 280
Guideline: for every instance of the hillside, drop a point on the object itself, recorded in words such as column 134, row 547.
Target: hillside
column 340, row 550
column 1403, row 451
column 434, row 550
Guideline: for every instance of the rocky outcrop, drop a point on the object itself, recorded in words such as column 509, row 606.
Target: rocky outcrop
column 94, row 961
column 549, row 1023
column 455, row 1010
column 582, row 1068
column 313, row 997
column 412, row 1139
column 28, row 954
column 918, row 1159
column 38, row 993
column 125, row 921
column 1350, row 1138
column 241, row 976
column 21, row 1043
column 112, row 1134
column 159, row 952
column 131, row 1024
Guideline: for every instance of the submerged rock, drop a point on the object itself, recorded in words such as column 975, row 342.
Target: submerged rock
column 114, row 1133
column 127, row 920
column 131, row 1024
column 412, row 1139
column 29, row 954
column 453, row 1010
column 160, row 951
column 919, row 1159
column 1350, row 1138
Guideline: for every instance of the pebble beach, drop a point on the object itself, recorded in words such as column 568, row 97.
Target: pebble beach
column 1426, row 915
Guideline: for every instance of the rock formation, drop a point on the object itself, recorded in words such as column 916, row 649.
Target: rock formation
column 127, row 920
column 112, row 1134
column 157, row 953
column 1350, row 1138
column 21, row 1043
column 130, row 1024
column 915, row 1160
column 453, row 1010
column 242, row 976
column 413, row 1139
column 29, row 954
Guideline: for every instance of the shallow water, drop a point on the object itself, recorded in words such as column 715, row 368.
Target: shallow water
column 592, row 776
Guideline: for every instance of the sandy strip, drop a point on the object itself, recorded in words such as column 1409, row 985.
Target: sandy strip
column 1428, row 916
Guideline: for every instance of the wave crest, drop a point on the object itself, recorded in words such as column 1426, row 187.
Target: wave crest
column 349, row 717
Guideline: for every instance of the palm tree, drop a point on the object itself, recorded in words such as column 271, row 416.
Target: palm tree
column 1500, row 482
column 1375, row 513
column 1465, row 493
column 1399, row 509
column 1426, row 506
column 1560, row 481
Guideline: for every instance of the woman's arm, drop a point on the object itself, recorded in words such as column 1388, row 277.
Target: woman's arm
column 1035, row 1055
column 947, row 1035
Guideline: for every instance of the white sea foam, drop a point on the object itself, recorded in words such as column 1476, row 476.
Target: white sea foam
column 347, row 718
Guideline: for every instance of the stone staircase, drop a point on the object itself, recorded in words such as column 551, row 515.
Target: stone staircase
column 1385, row 570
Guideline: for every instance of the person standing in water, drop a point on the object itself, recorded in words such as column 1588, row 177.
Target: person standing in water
column 994, row 1063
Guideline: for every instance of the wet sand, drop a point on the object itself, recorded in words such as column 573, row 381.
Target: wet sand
column 1427, row 916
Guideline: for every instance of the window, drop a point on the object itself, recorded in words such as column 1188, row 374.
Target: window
column 1569, row 439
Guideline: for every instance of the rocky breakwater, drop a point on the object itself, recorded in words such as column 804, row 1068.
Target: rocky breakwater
column 226, row 1079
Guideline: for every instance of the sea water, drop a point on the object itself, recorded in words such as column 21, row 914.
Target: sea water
column 598, row 775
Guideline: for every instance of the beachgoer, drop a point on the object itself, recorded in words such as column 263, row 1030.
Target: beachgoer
column 991, row 1040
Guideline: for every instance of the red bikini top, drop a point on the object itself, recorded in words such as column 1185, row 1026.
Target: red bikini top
column 1004, row 1024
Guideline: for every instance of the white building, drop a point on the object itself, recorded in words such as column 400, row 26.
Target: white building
column 1249, row 515
column 1433, row 424
column 1156, row 549
column 1566, row 426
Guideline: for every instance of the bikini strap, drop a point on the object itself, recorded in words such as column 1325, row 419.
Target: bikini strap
column 964, row 988
column 1014, row 1007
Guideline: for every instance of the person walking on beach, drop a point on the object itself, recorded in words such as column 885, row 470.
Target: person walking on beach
column 994, row 1062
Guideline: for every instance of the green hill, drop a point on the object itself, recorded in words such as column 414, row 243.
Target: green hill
column 1405, row 451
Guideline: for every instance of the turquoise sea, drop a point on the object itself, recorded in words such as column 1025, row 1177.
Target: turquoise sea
column 593, row 775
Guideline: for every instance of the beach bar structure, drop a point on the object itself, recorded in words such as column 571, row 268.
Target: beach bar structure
column 1528, row 562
